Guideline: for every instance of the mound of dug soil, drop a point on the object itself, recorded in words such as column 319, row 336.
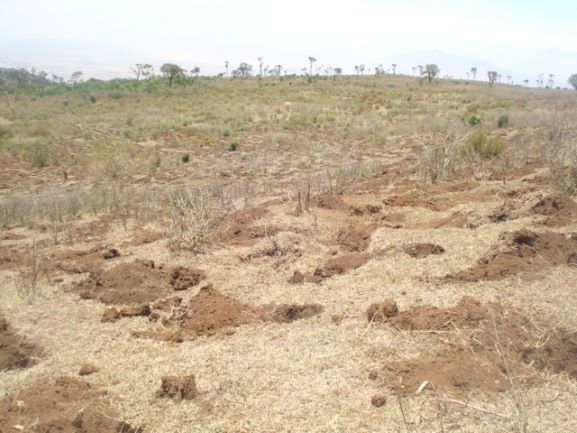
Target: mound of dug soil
column 66, row 405
column 328, row 201
column 502, row 345
column 137, row 283
column 524, row 250
column 78, row 261
column 422, row 250
column 455, row 373
column 355, row 238
column 15, row 351
column 11, row 258
column 238, row 228
column 210, row 312
column 559, row 210
column 341, row 264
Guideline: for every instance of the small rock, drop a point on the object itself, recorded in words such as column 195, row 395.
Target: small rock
column 378, row 400
column 88, row 369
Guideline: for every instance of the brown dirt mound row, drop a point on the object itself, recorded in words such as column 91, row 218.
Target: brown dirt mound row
column 137, row 283
column 422, row 250
column 560, row 210
column 210, row 312
column 11, row 258
column 442, row 203
column 77, row 262
column 15, row 351
column 332, row 202
column 524, row 251
column 355, row 238
column 65, row 405
column 143, row 237
column 334, row 266
column 341, row 264
column 492, row 331
column 240, row 231
column 455, row 373
column 96, row 229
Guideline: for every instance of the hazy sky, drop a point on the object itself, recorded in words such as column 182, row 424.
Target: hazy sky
column 104, row 37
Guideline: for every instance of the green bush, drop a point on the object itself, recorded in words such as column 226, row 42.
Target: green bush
column 93, row 99
column 185, row 157
column 38, row 153
column 485, row 147
column 473, row 120
column 226, row 133
column 503, row 121
column 232, row 146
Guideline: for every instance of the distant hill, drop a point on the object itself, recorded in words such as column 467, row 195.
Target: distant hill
column 13, row 77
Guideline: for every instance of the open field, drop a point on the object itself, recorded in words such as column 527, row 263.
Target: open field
column 365, row 254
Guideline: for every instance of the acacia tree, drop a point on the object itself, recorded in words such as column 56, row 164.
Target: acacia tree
column 394, row 66
column 474, row 72
column 573, row 81
column 141, row 70
column 432, row 71
column 311, row 61
column 76, row 78
column 244, row 69
column 171, row 71
column 195, row 71
column 492, row 76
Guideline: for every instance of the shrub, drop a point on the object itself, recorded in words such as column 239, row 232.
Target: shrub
column 93, row 99
column 232, row 146
column 473, row 120
column 38, row 153
column 503, row 121
column 226, row 133
column 482, row 146
column 185, row 157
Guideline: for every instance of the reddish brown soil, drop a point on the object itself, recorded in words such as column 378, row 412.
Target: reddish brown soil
column 114, row 314
column 328, row 201
column 341, row 264
column 65, row 405
column 77, row 261
column 523, row 251
column 445, row 187
column 143, row 237
column 88, row 369
column 11, row 258
column 94, row 230
column 209, row 312
column 178, row 388
column 9, row 236
column 422, row 250
column 455, row 373
column 355, row 238
column 240, row 231
column 137, row 283
column 288, row 313
column 437, row 203
column 559, row 210
column 15, row 351
column 379, row 312
column 497, row 335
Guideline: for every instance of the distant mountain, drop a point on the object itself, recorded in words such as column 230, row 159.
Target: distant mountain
column 453, row 66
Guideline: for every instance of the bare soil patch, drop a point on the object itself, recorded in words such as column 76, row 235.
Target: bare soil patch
column 559, row 210
column 11, row 258
column 143, row 237
column 137, row 283
column 523, row 250
column 65, row 405
column 178, row 388
column 422, row 250
column 78, row 261
column 210, row 312
column 355, row 238
column 341, row 264
column 502, row 347
column 15, row 351
column 330, row 201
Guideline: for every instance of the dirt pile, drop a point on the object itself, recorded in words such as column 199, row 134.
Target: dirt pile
column 11, row 258
column 341, row 264
column 559, row 210
column 177, row 388
column 500, row 345
column 355, row 238
column 210, row 312
column 239, row 228
column 288, row 313
column 15, row 351
column 65, row 405
column 144, row 237
column 78, row 261
column 137, row 283
column 330, row 201
column 523, row 250
column 422, row 250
